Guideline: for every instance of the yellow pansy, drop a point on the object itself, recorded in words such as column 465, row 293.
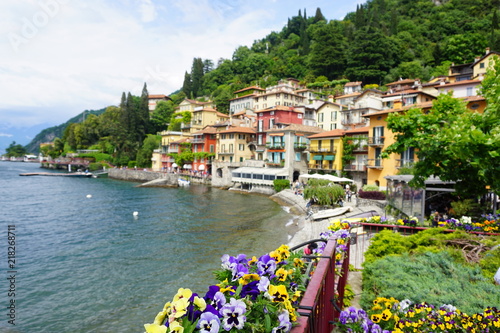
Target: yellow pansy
column 155, row 328
column 175, row 326
column 278, row 293
column 247, row 278
column 281, row 274
column 200, row 303
column 183, row 293
column 179, row 308
column 160, row 317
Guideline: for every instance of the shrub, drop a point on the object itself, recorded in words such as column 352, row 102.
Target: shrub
column 434, row 278
column 96, row 166
column 98, row 157
column 373, row 195
column 131, row 164
column 370, row 188
column 324, row 195
column 281, row 184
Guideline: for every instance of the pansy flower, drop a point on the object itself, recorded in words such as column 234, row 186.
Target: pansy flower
column 233, row 314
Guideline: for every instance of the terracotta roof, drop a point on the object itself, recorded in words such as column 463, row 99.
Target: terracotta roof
column 298, row 128
column 239, row 113
column 365, row 129
column 245, row 96
column 459, row 83
column 329, row 134
column 238, row 129
column 206, row 130
column 352, row 84
column 157, row 96
column 249, row 88
column 206, row 110
column 301, row 90
column 349, row 95
column 405, row 81
column 223, row 115
column 280, row 108
column 181, row 141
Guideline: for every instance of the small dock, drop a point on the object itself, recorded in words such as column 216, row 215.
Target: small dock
column 56, row 174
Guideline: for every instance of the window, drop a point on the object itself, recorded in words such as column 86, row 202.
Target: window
column 277, row 103
column 241, row 136
column 241, row 159
column 272, row 113
column 223, row 148
column 297, row 157
column 259, row 139
column 285, row 96
column 211, row 148
column 320, row 117
column 260, row 127
column 241, row 147
column 231, row 149
column 334, row 115
column 299, row 116
column 469, row 91
column 231, row 136
column 481, row 65
column 333, row 126
column 223, row 136
column 271, row 123
column 277, row 95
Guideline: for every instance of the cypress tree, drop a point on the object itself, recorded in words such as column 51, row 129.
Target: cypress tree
column 187, row 85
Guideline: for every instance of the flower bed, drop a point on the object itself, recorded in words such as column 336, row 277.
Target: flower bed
column 390, row 315
column 489, row 224
column 252, row 294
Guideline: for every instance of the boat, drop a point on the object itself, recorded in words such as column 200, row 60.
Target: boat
column 57, row 174
column 327, row 213
column 183, row 182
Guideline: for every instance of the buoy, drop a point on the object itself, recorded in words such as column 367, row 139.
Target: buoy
column 135, row 213
column 89, row 196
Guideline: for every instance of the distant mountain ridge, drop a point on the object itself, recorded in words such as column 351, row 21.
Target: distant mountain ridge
column 49, row 134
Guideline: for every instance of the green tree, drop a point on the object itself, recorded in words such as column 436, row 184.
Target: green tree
column 15, row 150
column 327, row 56
column 197, row 72
column 161, row 115
column 151, row 142
column 452, row 142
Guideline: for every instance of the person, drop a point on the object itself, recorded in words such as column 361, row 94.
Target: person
column 349, row 194
column 310, row 248
column 435, row 219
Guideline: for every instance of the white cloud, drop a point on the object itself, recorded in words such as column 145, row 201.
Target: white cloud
column 6, row 134
column 83, row 54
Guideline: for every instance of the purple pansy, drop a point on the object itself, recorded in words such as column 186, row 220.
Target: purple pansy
column 233, row 314
column 208, row 323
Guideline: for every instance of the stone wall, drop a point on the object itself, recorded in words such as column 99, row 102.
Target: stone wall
column 143, row 176
column 368, row 202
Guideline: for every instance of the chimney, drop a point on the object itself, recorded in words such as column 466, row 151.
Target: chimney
column 488, row 50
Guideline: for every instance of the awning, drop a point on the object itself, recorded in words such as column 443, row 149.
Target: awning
column 329, row 157
column 318, row 157
column 276, row 134
column 262, row 171
column 201, row 167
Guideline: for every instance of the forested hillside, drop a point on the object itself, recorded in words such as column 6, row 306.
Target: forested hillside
column 382, row 41
column 49, row 134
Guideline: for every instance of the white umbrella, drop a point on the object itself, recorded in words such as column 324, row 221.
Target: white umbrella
column 174, row 165
column 343, row 179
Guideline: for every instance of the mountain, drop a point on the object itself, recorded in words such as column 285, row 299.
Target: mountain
column 49, row 134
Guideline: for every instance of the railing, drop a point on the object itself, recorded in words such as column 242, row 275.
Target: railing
column 226, row 152
column 405, row 163
column 376, row 141
column 355, row 167
column 275, row 146
column 197, row 141
column 322, row 150
column 376, row 163
column 323, row 298
column 361, row 148
column 299, row 146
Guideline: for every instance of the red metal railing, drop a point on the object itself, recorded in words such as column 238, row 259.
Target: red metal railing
column 322, row 300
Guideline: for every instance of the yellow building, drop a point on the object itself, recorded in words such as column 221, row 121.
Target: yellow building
column 205, row 117
column 326, row 151
column 234, row 144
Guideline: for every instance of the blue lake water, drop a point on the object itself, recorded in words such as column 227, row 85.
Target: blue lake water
column 88, row 265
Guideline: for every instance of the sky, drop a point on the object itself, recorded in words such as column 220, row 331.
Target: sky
column 60, row 57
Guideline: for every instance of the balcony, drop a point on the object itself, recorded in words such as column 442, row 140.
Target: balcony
column 405, row 163
column 355, row 167
column 322, row 150
column 376, row 141
column 275, row 146
column 225, row 152
column 376, row 163
column 173, row 150
column 300, row 146
column 168, row 159
column 363, row 148
column 197, row 140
